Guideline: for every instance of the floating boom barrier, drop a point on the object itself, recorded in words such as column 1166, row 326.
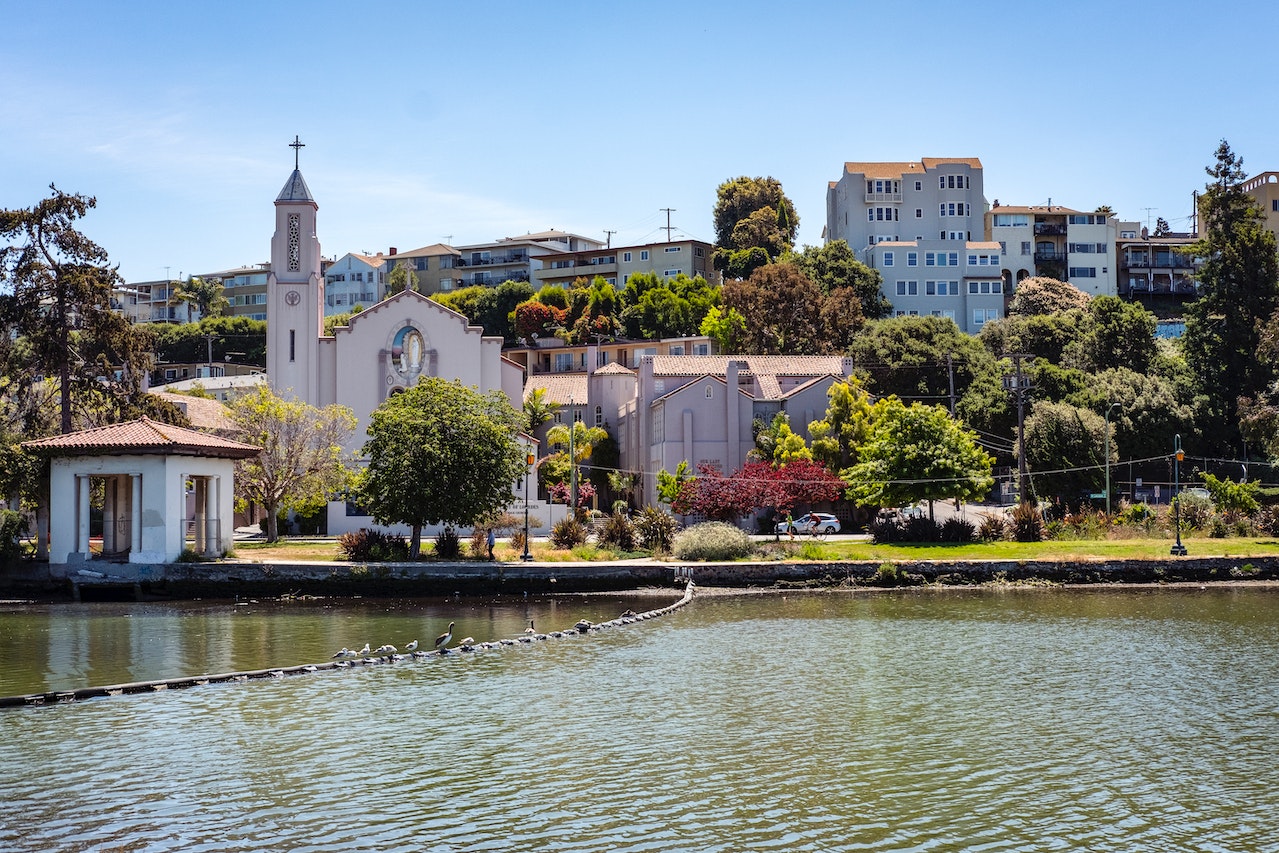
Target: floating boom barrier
column 57, row 697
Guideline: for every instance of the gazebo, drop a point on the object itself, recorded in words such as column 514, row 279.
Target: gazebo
column 143, row 467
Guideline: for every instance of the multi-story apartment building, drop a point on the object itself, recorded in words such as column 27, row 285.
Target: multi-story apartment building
column 961, row 283
column 441, row 268
column 245, row 290
column 1153, row 265
column 1265, row 189
column 354, row 279
column 152, row 302
column 554, row 356
column 689, row 257
column 921, row 225
column 1057, row 242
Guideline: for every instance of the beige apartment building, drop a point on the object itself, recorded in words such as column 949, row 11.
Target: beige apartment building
column 1056, row 242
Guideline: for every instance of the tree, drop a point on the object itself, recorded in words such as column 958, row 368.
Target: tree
column 669, row 485
column 785, row 313
column 918, row 357
column 754, row 213
column 1065, row 444
column 834, row 266
column 206, row 296
column 1105, row 210
column 846, row 426
column 915, row 453
column 212, row 338
column 1042, row 295
column 55, row 293
column 1117, row 333
column 401, row 277
column 301, row 463
column 1239, row 292
column 584, row 440
column 495, row 308
column 777, row 443
column 533, row 320
column 1162, row 228
column 538, row 409
column 1045, row 336
column 756, row 485
column 441, row 452
column 1149, row 411
column 726, row 327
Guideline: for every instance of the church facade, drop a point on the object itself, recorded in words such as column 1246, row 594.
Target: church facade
column 385, row 349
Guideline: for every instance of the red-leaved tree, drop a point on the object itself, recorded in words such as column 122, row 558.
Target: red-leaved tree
column 756, row 485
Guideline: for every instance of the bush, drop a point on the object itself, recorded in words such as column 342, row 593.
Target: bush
column 568, row 532
column 447, row 544
column 517, row 541
column 1028, row 523
column 713, row 540
column 889, row 574
column 12, row 527
column 479, row 546
column 617, row 530
column 993, row 528
column 655, row 529
column 958, row 530
column 373, row 546
column 1196, row 511
column 1267, row 520
column 1218, row 528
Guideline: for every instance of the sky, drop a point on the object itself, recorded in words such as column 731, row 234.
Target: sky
column 428, row 122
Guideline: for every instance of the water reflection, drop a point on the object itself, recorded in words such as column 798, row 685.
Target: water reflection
column 917, row 721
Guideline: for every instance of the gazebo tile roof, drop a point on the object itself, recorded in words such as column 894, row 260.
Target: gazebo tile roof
column 143, row 436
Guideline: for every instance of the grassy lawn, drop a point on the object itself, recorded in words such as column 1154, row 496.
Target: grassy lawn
column 1083, row 549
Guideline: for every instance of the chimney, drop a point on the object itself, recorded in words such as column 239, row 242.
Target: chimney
column 392, row 251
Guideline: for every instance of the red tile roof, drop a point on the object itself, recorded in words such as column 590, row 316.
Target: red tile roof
column 141, row 437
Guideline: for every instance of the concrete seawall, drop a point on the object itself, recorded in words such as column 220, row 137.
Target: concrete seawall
column 228, row 579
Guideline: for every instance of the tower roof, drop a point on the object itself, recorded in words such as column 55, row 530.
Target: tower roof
column 295, row 189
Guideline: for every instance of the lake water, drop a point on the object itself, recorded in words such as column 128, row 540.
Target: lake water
column 916, row 721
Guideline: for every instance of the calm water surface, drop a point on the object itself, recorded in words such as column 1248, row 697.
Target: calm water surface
column 1096, row 720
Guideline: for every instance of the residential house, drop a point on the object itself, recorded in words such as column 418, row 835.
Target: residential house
column 616, row 265
column 1154, row 265
column 354, row 279
column 1057, row 242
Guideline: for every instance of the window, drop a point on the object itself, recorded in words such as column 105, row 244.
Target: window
column 1007, row 220
column 644, row 254
column 670, row 273
column 912, row 259
column 1086, row 248
column 563, row 362
column 709, row 392
column 293, row 340
column 626, row 257
column 888, row 259
column 1274, row 204
column 982, row 316
column 700, row 252
column 599, row 416
column 1132, row 235
column 919, row 186
column 701, row 349
column 670, row 249
column 577, row 415
column 881, row 214
column 919, row 213
column 1083, row 272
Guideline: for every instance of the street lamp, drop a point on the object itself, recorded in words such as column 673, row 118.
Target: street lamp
column 529, row 459
column 1108, row 410
column 1178, row 550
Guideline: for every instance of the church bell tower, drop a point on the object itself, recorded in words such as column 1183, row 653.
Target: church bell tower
column 295, row 293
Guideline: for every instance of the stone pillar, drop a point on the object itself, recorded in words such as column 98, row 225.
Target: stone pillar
column 109, row 514
column 82, row 514
column 201, row 488
column 211, row 520
column 135, row 514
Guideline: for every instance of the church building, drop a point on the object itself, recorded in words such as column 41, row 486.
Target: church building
column 385, row 349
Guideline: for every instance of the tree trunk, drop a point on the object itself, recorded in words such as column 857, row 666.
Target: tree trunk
column 272, row 525
column 415, row 543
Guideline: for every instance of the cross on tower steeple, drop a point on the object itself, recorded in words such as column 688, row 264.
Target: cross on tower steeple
column 296, row 145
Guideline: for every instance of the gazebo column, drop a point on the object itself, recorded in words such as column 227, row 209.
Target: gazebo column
column 135, row 514
column 211, row 520
column 82, row 514
column 108, row 515
column 198, row 513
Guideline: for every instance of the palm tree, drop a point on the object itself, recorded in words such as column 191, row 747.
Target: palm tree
column 538, row 409
column 206, row 296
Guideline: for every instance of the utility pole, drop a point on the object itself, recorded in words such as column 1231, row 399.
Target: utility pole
column 608, row 238
column 950, row 374
column 1019, row 384
column 669, row 211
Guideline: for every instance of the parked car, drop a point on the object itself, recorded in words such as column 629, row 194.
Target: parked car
column 813, row 522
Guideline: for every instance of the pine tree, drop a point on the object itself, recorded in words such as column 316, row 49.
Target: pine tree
column 1239, row 283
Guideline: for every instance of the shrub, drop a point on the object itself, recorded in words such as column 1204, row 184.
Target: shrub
column 917, row 528
column 568, row 532
column 1218, row 528
column 889, row 574
column 1267, row 520
column 12, row 526
column 655, row 529
column 1196, row 511
column 713, row 540
column 517, row 541
column 617, row 530
column 447, row 544
column 993, row 528
column 372, row 546
column 1028, row 523
column 479, row 545
column 958, row 530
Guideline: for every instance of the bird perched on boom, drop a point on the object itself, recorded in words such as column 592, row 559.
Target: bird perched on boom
column 443, row 640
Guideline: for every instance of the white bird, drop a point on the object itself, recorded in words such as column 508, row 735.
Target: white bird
column 362, row 652
column 411, row 647
column 443, row 640
column 466, row 641
column 345, row 652
column 387, row 649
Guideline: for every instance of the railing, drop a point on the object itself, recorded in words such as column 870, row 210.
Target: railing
column 1044, row 257
column 892, row 198
column 1175, row 262
column 1049, row 228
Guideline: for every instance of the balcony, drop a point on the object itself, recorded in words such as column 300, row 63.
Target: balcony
column 1050, row 257
column 891, row 198
column 1161, row 262
column 1049, row 228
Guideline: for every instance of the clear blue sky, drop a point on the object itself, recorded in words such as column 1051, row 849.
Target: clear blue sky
column 475, row 121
